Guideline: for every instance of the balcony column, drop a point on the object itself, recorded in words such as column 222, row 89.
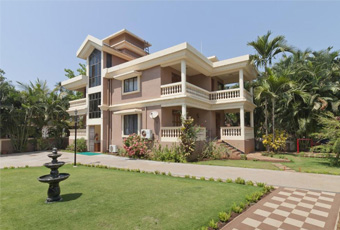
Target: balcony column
column 242, row 122
column 241, row 83
column 252, row 119
column 184, row 111
column 184, row 76
column 252, row 94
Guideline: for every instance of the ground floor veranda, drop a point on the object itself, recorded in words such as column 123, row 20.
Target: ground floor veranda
column 237, row 130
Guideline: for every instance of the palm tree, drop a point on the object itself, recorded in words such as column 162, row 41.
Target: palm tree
column 267, row 49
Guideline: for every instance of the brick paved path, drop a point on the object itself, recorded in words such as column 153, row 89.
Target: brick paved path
column 291, row 209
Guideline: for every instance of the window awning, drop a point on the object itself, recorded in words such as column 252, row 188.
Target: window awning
column 128, row 111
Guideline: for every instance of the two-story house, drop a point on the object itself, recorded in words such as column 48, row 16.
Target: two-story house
column 126, row 89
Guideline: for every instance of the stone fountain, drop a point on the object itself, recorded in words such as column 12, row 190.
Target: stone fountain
column 54, row 177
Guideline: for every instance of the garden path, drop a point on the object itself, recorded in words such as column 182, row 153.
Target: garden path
column 318, row 182
column 290, row 209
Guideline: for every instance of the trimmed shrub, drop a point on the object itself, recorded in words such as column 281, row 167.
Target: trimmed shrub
column 81, row 145
column 239, row 180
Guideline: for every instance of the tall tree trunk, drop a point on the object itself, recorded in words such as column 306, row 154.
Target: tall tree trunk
column 266, row 119
column 273, row 115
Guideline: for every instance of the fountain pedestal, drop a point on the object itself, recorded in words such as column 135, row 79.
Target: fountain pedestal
column 53, row 179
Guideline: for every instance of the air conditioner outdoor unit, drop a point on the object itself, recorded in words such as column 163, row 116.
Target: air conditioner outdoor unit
column 113, row 149
column 146, row 133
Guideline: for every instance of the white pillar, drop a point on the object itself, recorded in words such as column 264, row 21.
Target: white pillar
column 184, row 111
column 183, row 76
column 241, row 82
column 252, row 94
column 242, row 121
column 252, row 119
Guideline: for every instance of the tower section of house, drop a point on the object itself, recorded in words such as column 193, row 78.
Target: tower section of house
column 127, row 89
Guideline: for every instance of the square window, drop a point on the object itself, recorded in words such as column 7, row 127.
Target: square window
column 130, row 124
column 130, row 85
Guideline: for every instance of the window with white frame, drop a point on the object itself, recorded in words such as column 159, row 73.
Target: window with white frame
column 130, row 124
column 131, row 85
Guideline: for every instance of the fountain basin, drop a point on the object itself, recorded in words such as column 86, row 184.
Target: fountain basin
column 49, row 179
column 56, row 165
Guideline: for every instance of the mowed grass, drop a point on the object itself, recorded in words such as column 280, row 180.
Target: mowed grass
column 303, row 164
column 97, row 198
column 240, row 163
column 310, row 164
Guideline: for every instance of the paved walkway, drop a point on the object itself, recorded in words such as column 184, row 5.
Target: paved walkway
column 318, row 182
column 290, row 209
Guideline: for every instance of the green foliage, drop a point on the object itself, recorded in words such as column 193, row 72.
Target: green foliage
column 211, row 179
column 24, row 113
column 254, row 197
column 229, row 180
column 188, row 136
column 213, row 150
column 81, row 145
column 277, row 142
column 330, row 130
column 260, row 184
column 239, row 180
column 213, row 224
column 243, row 157
column 223, row 216
column 202, row 178
column 172, row 154
column 249, row 182
column 236, row 209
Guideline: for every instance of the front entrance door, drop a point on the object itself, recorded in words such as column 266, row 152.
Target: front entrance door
column 91, row 140
column 218, row 125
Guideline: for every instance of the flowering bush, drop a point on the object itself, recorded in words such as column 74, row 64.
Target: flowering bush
column 279, row 141
column 135, row 146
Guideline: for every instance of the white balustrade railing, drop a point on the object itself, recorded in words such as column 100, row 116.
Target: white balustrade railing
column 228, row 94
column 235, row 133
column 171, row 134
column 77, row 103
column 171, row 89
column 81, row 133
column 224, row 94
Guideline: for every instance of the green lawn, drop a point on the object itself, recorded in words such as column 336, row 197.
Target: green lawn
column 310, row 164
column 96, row 198
column 306, row 164
column 240, row 163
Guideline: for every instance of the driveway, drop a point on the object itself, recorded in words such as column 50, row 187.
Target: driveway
column 311, row 181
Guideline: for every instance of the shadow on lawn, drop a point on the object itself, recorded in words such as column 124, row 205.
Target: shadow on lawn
column 71, row 196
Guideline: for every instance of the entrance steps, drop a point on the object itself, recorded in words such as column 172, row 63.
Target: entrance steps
column 234, row 153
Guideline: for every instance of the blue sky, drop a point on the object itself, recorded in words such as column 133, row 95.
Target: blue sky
column 39, row 39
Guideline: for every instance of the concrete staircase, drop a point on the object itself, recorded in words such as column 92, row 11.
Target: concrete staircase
column 234, row 153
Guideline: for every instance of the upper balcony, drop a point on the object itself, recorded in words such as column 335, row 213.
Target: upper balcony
column 220, row 96
column 76, row 83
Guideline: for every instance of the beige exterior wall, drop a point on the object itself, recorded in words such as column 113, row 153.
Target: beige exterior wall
column 150, row 79
column 201, row 81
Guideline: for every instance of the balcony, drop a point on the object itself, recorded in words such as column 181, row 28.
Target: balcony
column 171, row 134
column 234, row 133
column 79, row 105
column 202, row 94
column 75, row 83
